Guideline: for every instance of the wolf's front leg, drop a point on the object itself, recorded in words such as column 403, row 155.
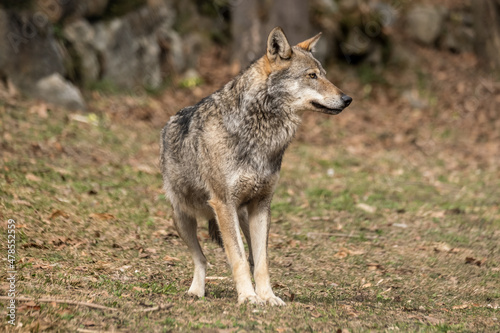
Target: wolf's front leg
column 227, row 218
column 259, row 220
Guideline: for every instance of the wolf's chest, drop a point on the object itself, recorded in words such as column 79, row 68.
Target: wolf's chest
column 249, row 186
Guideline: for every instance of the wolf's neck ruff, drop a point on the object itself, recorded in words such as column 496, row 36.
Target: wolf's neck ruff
column 260, row 122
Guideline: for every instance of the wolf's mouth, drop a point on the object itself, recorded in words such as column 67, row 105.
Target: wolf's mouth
column 325, row 109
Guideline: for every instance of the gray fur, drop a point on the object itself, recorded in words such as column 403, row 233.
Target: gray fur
column 223, row 155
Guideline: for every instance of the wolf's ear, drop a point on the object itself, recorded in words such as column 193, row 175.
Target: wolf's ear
column 309, row 44
column 277, row 45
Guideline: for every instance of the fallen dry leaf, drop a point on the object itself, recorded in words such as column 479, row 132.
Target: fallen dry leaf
column 442, row 247
column 321, row 218
column 386, row 291
column 62, row 171
column 438, row 214
column 39, row 109
column 7, row 137
column 31, row 305
column 341, row 254
column 433, row 321
column 290, row 295
column 169, row 258
column 374, row 266
column 21, row 202
column 474, row 261
column 356, row 252
column 350, row 311
column 102, row 216
column 56, row 213
column 316, row 314
column 60, row 241
column 32, row 177
column 38, row 244
column 146, row 169
column 150, row 250
column 460, row 307
column 366, row 208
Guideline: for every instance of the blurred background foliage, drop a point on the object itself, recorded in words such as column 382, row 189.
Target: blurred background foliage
column 54, row 48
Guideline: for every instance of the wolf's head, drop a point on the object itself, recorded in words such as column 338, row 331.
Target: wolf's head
column 294, row 71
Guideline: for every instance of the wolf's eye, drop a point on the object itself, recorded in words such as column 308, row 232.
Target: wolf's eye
column 313, row 76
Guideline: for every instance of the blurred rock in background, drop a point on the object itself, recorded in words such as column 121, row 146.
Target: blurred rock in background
column 425, row 23
column 141, row 44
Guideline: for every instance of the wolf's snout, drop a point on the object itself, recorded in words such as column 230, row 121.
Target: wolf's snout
column 347, row 100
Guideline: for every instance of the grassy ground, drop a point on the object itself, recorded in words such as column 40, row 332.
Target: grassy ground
column 364, row 237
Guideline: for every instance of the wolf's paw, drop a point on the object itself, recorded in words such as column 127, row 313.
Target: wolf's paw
column 252, row 299
column 275, row 301
column 192, row 292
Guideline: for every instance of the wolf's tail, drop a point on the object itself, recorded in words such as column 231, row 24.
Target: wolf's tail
column 214, row 231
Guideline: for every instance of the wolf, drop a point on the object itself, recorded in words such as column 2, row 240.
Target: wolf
column 220, row 159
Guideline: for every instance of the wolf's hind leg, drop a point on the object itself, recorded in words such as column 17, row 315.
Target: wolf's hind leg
column 243, row 218
column 186, row 227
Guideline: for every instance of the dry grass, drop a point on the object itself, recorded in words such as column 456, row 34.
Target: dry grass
column 386, row 218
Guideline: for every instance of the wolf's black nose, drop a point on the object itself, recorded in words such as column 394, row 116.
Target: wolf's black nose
column 347, row 100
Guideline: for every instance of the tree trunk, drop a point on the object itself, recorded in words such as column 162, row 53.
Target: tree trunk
column 293, row 17
column 253, row 20
column 248, row 44
column 487, row 26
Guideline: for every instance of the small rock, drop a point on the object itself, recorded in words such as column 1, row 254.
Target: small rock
column 25, row 57
column 425, row 23
column 91, row 8
column 81, row 34
column 56, row 90
column 128, row 47
column 387, row 13
column 458, row 39
column 171, row 42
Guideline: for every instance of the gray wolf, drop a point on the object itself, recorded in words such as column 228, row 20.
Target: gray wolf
column 221, row 158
